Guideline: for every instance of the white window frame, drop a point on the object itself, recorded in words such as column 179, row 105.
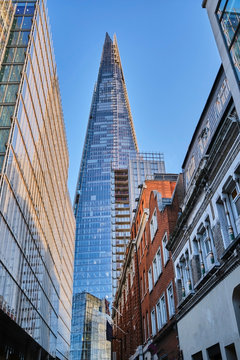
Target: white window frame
column 153, row 224
column 161, row 312
column 153, row 321
column 159, row 261
column 155, row 270
column 171, row 304
column 150, row 280
column 165, row 251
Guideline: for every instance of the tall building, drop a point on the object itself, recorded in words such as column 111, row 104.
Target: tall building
column 126, row 187
column 36, row 219
column 110, row 139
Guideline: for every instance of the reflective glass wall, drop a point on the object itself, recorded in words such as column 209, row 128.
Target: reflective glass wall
column 36, row 220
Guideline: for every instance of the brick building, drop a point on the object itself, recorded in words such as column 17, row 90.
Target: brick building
column 145, row 302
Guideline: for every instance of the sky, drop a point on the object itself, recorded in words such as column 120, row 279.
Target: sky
column 169, row 59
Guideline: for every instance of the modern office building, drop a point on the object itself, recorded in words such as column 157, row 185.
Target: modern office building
column 36, row 219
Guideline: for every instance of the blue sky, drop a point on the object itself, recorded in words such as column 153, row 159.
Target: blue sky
column 169, row 60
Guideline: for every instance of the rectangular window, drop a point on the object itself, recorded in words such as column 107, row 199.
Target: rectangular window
column 170, row 295
column 153, row 225
column 150, row 283
column 155, row 272
column 159, row 262
column 153, row 321
column 165, row 251
column 147, row 323
column 161, row 312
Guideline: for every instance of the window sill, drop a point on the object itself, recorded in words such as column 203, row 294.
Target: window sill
column 206, row 276
column 186, row 298
column 230, row 249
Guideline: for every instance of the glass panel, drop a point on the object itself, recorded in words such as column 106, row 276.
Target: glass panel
column 17, row 22
column 230, row 20
column 235, row 52
column 6, row 112
column 27, row 23
column 23, row 40
column 221, row 7
column 16, row 73
column 13, row 38
column 30, row 9
column 4, row 73
column 2, row 92
column 1, row 161
column 3, row 139
column 9, row 55
column 11, row 93
column 20, row 55
column 20, row 9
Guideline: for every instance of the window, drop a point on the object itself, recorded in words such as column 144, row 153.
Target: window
column 144, row 283
column 184, row 275
column 153, row 321
column 161, row 312
column 205, row 247
column 153, row 225
column 170, row 295
column 155, row 273
column 150, row 283
column 147, row 323
column 144, row 329
column 165, row 251
column 157, row 266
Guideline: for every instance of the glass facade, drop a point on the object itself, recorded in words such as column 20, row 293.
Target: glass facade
column 91, row 323
column 229, row 16
column 110, row 138
column 36, row 220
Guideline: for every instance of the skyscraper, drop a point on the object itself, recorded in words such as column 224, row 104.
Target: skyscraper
column 36, row 218
column 110, row 139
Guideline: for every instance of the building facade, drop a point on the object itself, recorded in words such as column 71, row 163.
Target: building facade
column 145, row 302
column 94, row 314
column 37, row 224
column 205, row 244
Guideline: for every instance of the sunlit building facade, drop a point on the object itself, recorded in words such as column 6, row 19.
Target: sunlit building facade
column 37, row 224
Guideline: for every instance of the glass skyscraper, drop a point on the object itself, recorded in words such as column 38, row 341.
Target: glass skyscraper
column 36, row 218
column 110, row 139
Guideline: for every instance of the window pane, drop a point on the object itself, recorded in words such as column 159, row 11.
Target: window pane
column 11, row 93
column 13, row 38
column 16, row 73
column 9, row 55
column 27, row 23
column 17, row 22
column 3, row 139
column 221, row 7
column 235, row 52
column 23, row 39
column 30, row 9
column 2, row 92
column 20, row 9
column 20, row 55
column 6, row 112
column 4, row 73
